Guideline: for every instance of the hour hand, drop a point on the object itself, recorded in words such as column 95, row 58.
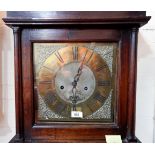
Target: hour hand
column 74, row 83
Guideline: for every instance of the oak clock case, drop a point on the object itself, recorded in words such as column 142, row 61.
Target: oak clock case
column 75, row 75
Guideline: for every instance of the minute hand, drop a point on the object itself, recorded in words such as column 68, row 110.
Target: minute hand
column 74, row 83
column 77, row 76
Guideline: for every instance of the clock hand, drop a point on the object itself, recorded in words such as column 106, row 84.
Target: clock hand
column 75, row 98
column 77, row 77
column 79, row 72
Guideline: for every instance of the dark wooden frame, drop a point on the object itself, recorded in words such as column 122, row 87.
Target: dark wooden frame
column 120, row 27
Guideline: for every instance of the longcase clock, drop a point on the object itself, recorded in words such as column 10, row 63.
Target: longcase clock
column 75, row 75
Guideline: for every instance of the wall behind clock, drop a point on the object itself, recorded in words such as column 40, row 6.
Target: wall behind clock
column 7, row 109
column 145, row 113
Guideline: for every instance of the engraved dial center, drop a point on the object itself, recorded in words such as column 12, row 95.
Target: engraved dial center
column 64, row 78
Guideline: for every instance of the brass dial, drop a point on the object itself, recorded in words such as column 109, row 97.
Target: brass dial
column 74, row 78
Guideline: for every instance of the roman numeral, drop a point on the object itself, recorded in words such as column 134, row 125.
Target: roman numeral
column 99, row 97
column 45, row 82
column 103, row 83
column 93, row 106
column 75, row 53
column 90, row 57
column 60, row 107
column 49, row 97
column 49, row 69
column 100, row 68
column 83, row 59
column 88, row 60
column 57, row 54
